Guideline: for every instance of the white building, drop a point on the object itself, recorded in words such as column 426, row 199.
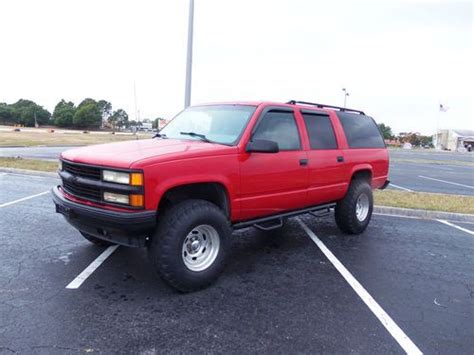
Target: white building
column 453, row 139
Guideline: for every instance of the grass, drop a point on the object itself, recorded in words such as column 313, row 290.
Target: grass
column 425, row 201
column 29, row 164
column 29, row 138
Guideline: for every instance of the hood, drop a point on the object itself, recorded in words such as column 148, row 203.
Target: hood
column 124, row 154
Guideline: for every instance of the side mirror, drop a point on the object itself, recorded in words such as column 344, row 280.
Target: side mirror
column 262, row 146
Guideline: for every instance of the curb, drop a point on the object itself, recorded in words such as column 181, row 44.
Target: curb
column 28, row 172
column 408, row 212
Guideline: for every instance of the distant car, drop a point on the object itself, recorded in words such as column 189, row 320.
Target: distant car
column 219, row 167
column 145, row 126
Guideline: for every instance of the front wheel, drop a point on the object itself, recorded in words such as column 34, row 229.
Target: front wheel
column 190, row 245
column 354, row 211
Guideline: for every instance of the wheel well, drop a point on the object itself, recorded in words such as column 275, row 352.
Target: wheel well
column 211, row 191
column 365, row 174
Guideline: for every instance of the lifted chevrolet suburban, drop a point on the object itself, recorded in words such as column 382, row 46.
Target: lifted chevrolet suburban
column 219, row 167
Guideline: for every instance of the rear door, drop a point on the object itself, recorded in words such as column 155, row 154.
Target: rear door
column 327, row 173
column 274, row 182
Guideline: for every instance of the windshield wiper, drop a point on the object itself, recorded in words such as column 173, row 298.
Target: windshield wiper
column 159, row 135
column 197, row 135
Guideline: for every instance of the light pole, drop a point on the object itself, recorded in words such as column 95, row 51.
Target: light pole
column 345, row 96
column 189, row 57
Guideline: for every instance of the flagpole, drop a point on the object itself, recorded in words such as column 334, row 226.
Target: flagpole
column 437, row 127
column 189, row 56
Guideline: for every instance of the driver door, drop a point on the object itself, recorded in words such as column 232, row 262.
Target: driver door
column 274, row 182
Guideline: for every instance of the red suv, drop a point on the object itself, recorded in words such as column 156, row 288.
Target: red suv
column 219, row 167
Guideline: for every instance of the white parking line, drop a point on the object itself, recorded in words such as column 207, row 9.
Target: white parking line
column 446, row 182
column 394, row 330
column 23, row 199
column 77, row 282
column 400, row 187
column 456, row 226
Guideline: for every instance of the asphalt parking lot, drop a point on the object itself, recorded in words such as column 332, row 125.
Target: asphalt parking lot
column 423, row 177
column 429, row 171
column 281, row 292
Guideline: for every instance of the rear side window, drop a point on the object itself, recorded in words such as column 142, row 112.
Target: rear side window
column 280, row 127
column 361, row 131
column 320, row 131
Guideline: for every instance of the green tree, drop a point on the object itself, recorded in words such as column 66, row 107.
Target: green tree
column 87, row 115
column 386, row 131
column 426, row 141
column 119, row 119
column 410, row 137
column 64, row 113
column 6, row 113
column 105, row 108
column 25, row 111
column 87, row 101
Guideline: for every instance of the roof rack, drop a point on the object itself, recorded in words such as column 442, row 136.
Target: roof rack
column 293, row 102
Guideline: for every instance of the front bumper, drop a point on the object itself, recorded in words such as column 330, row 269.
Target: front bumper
column 126, row 228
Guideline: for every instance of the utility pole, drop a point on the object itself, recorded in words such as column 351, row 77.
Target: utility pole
column 345, row 96
column 189, row 57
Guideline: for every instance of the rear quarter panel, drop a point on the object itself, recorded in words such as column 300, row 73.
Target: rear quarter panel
column 375, row 160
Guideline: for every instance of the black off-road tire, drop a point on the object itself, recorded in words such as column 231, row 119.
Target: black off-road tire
column 166, row 248
column 96, row 241
column 345, row 213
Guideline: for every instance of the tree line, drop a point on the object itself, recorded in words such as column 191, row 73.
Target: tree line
column 88, row 114
column 414, row 138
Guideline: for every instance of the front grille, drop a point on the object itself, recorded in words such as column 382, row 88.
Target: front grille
column 85, row 171
column 86, row 192
column 85, row 182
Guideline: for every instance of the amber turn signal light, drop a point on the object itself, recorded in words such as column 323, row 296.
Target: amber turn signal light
column 136, row 179
column 136, row 200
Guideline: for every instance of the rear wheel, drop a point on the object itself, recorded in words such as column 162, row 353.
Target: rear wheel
column 96, row 241
column 354, row 211
column 190, row 245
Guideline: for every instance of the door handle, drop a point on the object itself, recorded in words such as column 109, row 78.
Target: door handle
column 303, row 162
column 340, row 159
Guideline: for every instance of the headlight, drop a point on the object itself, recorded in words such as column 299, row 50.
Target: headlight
column 115, row 176
column 116, row 198
column 135, row 179
column 132, row 200
column 60, row 165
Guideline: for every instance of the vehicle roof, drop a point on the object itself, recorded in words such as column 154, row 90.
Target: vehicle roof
column 291, row 104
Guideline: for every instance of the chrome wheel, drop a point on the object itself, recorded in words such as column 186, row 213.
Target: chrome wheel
column 362, row 207
column 200, row 248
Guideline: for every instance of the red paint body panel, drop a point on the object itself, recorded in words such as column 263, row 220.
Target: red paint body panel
column 257, row 184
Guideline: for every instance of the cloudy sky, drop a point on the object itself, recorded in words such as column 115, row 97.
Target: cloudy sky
column 398, row 60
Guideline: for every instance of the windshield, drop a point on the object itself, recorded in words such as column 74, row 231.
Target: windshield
column 217, row 123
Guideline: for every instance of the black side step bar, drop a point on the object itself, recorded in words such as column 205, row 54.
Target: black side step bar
column 277, row 219
column 269, row 225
